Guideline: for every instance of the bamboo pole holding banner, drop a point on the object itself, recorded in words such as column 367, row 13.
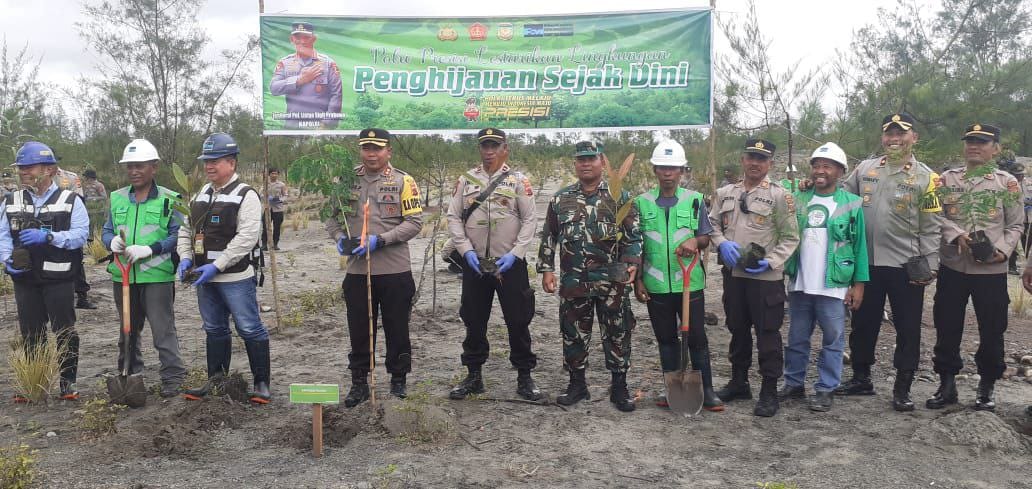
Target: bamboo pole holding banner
column 267, row 212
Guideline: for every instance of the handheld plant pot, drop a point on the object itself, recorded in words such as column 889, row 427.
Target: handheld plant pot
column 981, row 248
column 917, row 269
column 351, row 243
column 752, row 255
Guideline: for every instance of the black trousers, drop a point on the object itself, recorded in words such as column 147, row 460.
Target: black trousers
column 517, row 301
column 39, row 304
column 81, row 285
column 665, row 314
column 277, row 224
column 989, row 295
column 906, row 301
column 392, row 301
column 1021, row 246
column 755, row 305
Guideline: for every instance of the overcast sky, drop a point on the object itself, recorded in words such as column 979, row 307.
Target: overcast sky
column 810, row 30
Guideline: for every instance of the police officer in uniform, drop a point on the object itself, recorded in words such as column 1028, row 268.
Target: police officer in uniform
column 675, row 223
column 903, row 224
column 598, row 260
column 92, row 189
column 961, row 275
column 42, row 231
column 218, row 244
column 67, row 180
column 1018, row 170
column 757, row 211
column 310, row 81
column 505, row 220
column 395, row 217
column 143, row 227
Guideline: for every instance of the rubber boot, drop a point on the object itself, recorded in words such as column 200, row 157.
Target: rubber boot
column 219, row 351
column 738, row 387
column 472, row 384
column 68, row 338
column 767, row 405
column 618, row 394
column 947, row 393
column 258, row 357
column 984, row 398
column 83, row 301
column 398, row 386
column 526, row 388
column 701, row 362
column 901, row 391
column 359, row 389
column 859, row 385
column 576, row 391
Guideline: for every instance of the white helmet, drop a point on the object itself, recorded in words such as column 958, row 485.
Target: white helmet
column 139, row 150
column 669, row 153
column 832, row 152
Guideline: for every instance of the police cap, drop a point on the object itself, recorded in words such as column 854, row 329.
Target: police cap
column 373, row 135
column 901, row 120
column 302, row 28
column 587, row 148
column 982, row 132
column 760, row 147
column 491, row 134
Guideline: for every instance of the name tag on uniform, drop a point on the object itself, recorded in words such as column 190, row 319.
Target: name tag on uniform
column 198, row 247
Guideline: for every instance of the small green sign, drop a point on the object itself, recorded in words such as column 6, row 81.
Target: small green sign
column 314, row 393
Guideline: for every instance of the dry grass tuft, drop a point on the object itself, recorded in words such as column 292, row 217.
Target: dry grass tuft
column 36, row 369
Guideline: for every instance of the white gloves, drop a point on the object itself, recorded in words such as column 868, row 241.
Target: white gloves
column 138, row 252
column 117, row 245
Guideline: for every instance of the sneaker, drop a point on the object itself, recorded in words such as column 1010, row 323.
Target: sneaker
column 69, row 392
column 661, row 400
column 169, row 390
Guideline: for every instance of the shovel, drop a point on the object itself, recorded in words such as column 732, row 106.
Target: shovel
column 684, row 387
column 126, row 389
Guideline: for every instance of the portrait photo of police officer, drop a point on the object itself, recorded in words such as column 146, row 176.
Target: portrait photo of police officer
column 310, row 81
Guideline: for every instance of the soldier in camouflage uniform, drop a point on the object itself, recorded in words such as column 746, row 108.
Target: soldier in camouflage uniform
column 598, row 258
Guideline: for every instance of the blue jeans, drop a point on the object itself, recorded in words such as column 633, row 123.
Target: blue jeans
column 217, row 300
column 805, row 311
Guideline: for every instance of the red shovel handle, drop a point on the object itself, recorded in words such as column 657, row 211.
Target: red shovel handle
column 686, row 277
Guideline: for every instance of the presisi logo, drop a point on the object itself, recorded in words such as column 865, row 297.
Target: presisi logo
column 547, row 30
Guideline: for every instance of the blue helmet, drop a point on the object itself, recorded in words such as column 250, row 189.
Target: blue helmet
column 217, row 145
column 34, row 153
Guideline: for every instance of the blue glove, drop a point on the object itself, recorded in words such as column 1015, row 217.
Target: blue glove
column 32, row 237
column 763, row 267
column 729, row 253
column 472, row 261
column 340, row 244
column 371, row 243
column 14, row 272
column 505, row 262
column 184, row 265
column 207, row 272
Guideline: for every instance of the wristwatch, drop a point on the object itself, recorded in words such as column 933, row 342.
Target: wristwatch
column 50, row 237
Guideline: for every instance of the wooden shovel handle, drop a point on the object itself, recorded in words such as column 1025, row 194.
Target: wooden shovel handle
column 686, row 278
column 124, row 268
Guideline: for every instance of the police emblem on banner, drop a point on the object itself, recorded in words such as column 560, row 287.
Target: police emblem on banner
column 505, row 31
column 447, row 33
column 477, row 32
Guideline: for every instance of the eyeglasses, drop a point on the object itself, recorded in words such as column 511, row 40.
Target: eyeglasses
column 742, row 205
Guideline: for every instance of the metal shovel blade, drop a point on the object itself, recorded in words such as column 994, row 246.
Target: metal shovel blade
column 127, row 390
column 684, row 391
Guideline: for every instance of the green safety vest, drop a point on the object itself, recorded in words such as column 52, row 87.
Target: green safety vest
column 661, row 272
column 144, row 223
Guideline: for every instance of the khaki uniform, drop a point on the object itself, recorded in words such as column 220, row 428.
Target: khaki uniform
column 94, row 191
column 67, row 180
column 1003, row 228
column 961, row 277
column 510, row 210
column 395, row 214
column 901, row 211
column 1026, row 194
column 510, row 207
column 277, row 190
column 770, row 223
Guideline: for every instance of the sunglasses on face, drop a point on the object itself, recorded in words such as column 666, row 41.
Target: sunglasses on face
column 744, row 207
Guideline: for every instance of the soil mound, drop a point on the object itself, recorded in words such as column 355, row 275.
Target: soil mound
column 979, row 430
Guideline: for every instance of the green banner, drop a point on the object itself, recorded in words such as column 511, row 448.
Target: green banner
column 336, row 75
column 314, row 393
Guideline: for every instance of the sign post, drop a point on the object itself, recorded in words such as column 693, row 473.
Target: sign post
column 316, row 395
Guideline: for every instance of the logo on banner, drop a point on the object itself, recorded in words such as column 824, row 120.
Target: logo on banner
column 446, row 33
column 477, row 32
column 505, row 31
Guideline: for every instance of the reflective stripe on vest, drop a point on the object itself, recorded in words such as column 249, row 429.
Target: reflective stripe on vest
column 661, row 271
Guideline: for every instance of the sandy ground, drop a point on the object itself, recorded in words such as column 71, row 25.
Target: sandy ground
column 430, row 441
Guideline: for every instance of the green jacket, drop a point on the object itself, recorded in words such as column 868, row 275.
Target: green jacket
column 661, row 234
column 847, row 239
column 144, row 223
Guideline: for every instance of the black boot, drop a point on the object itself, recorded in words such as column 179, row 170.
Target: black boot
column 83, row 301
column 767, row 405
column 618, row 394
column 472, row 384
column 258, row 357
column 738, row 387
column 984, row 399
column 701, row 362
column 901, row 391
column 576, row 391
column 219, row 352
column 526, row 388
column 791, row 392
column 359, row 389
column 947, row 393
column 859, row 385
column 398, row 386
